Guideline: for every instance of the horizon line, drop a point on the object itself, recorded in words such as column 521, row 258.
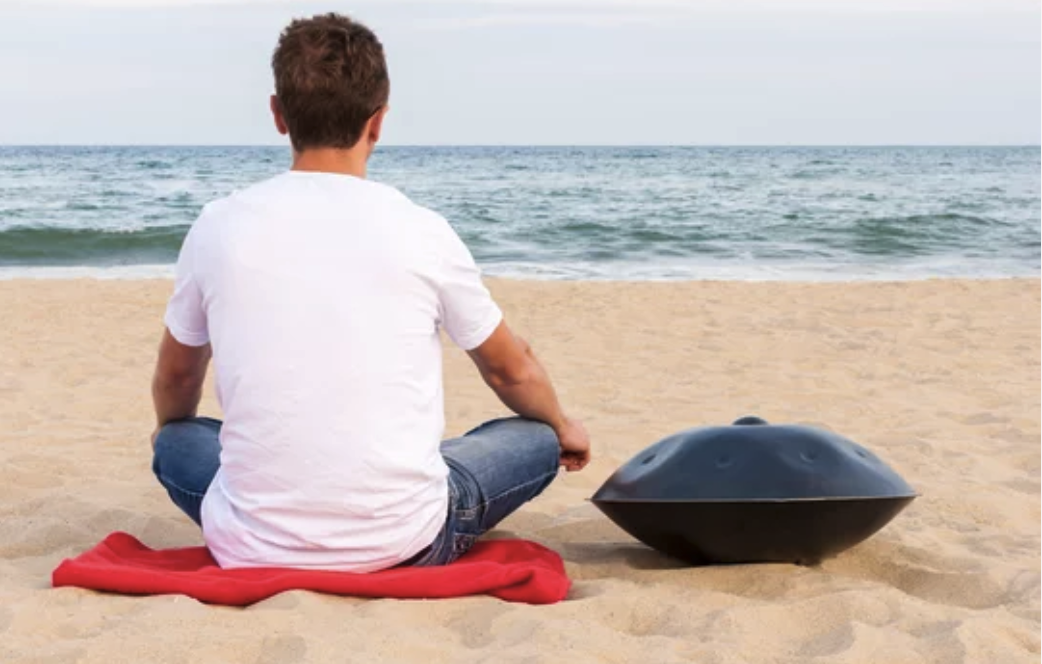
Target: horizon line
column 538, row 145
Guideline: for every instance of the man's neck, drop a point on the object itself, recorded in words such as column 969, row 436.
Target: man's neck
column 331, row 160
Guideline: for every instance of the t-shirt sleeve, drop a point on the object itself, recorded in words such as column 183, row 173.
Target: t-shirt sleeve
column 185, row 315
column 469, row 315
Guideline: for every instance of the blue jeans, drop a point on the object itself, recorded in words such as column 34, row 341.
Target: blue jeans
column 493, row 470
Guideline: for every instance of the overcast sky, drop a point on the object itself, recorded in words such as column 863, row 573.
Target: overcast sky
column 542, row 71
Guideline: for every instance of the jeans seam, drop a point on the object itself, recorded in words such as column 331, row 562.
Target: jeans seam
column 489, row 423
column 165, row 481
column 515, row 489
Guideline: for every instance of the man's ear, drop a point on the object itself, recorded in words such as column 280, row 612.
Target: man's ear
column 276, row 113
column 375, row 125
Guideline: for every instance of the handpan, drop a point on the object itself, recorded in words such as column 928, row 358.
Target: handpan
column 753, row 492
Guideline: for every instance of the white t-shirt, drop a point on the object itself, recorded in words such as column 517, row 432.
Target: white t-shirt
column 322, row 296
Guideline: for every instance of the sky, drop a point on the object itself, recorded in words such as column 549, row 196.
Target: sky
column 541, row 72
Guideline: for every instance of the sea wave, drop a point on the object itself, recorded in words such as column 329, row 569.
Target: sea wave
column 575, row 212
column 39, row 246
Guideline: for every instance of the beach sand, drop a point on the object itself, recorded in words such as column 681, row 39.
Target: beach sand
column 940, row 378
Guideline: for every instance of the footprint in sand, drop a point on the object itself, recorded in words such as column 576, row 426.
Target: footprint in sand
column 283, row 650
column 933, row 578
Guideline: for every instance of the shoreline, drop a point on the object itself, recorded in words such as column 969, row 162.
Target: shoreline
column 50, row 275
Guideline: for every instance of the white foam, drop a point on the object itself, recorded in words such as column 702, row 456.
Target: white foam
column 761, row 271
column 86, row 272
column 636, row 271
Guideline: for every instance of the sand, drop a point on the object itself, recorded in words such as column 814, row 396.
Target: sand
column 940, row 378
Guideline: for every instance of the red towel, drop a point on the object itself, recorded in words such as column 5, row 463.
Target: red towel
column 513, row 570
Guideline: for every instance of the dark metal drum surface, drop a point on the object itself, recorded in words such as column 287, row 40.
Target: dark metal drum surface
column 753, row 492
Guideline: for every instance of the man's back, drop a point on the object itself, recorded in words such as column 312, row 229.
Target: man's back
column 322, row 295
column 318, row 295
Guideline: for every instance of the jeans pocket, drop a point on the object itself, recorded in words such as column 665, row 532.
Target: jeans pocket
column 462, row 543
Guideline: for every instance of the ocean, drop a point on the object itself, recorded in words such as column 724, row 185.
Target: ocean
column 749, row 213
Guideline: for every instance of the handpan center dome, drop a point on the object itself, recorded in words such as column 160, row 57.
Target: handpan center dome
column 753, row 492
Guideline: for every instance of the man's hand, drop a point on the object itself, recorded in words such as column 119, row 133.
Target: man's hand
column 509, row 366
column 575, row 445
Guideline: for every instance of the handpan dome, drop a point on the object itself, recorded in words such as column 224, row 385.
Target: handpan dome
column 753, row 492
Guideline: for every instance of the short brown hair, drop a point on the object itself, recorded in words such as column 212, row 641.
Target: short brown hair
column 330, row 78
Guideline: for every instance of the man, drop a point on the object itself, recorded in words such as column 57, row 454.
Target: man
column 320, row 296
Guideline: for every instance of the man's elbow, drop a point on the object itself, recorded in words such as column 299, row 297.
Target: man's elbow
column 512, row 375
column 182, row 379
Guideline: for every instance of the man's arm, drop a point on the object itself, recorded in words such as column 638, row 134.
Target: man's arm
column 510, row 367
column 177, row 385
